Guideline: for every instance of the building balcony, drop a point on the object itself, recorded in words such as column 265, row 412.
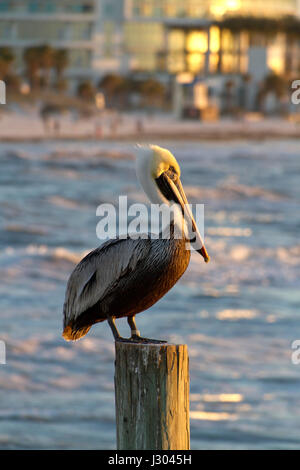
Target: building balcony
column 187, row 22
column 65, row 17
column 56, row 43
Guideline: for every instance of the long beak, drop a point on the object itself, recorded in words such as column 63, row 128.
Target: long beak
column 180, row 198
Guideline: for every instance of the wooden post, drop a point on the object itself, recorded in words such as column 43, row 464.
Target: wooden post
column 152, row 396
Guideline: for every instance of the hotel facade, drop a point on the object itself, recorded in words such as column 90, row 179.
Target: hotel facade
column 151, row 36
column 195, row 35
column 89, row 30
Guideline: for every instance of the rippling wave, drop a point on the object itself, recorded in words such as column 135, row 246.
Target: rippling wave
column 238, row 315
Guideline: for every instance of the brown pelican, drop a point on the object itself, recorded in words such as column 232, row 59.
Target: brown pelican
column 124, row 277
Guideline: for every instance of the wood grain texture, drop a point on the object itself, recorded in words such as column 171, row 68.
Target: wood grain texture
column 152, row 396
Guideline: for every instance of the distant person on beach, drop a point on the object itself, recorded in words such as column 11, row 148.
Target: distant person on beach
column 98, row 130
column 114, row 125
column 56, row 127
column 139, row 126
column 46, row 121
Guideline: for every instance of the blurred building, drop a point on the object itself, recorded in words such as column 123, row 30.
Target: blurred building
column 87, row 29
column 110, row 54
column 208, row 8
column 193, row 35
column 166, row 37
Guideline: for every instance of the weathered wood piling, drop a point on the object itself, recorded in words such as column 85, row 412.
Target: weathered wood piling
column 152, row 396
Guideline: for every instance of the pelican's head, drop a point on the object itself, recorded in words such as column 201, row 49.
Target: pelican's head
column 159, row 175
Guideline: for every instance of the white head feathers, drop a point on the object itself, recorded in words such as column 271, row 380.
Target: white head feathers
column 151, row 162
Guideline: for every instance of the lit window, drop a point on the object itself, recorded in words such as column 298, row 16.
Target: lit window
column 195, row 62
column 214, row 43
column 244, row 41
column 147, row 9
column 175, row 63
column 170, row 9
column 197, row 41
column 244, row 62
column 213, row 63
column 176, row 40
column 227, row 40
column 227, row 63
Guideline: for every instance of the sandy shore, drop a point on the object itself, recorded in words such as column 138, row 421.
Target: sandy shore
column 19, row 127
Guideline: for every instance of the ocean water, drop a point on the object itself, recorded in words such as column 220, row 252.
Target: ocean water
column 239, row 314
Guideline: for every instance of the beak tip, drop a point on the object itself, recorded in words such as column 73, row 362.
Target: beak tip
column 204, row 253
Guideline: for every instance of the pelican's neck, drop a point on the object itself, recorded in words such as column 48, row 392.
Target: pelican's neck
column 176, row 228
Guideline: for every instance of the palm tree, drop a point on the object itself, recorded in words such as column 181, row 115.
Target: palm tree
column 13, row 82
column 32, row 60
column 39, row 61
column 244, row 96
column 113, row 86
column 152, row 91
column 61, row 62
column 275, row 84
column 46, row 61
column 229, row 95
column 86, row 90
column 61, row 85
column 6, row 59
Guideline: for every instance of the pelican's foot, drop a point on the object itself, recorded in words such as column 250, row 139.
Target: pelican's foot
column 123, row 340
column 139, row 339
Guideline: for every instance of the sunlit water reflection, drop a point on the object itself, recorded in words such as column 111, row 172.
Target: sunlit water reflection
column 238, row 315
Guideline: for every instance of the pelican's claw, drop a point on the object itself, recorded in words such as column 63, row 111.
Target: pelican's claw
column 123, row 340
column 139, row 339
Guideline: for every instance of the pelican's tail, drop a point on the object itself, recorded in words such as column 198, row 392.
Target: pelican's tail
column 71, row 333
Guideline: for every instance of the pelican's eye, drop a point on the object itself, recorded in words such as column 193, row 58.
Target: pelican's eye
column 172, row 173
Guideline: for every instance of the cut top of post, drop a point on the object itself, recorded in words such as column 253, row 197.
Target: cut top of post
column 152, row 396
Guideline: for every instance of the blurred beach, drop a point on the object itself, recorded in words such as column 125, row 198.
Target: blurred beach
column 239, row 315
column 139, row 126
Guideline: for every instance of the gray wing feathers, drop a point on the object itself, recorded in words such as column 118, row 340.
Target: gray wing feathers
column 99, row 273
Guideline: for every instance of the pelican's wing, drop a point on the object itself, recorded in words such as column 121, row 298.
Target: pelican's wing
column 99, row 273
